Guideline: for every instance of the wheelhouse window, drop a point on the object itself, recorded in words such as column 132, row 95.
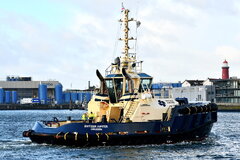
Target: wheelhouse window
column 129, row 86
column 145, row 84
column 119, row 88
column 115, row 87
column 126, row 87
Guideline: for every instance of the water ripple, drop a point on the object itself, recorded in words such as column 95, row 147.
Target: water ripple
column 223, row 142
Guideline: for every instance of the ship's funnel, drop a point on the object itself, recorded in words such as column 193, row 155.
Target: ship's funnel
column 130, row 81
column 99, row 75
column 103, row 86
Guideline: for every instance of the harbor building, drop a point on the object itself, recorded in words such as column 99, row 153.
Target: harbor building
column 195, row 93
column 224, row 91
column 22, row 90
column 195, row 90
column 227, row 90
column 26, row 87
column 164, row 89
column 188, row 83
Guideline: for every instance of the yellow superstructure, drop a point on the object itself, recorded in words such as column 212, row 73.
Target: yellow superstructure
column 125, row 91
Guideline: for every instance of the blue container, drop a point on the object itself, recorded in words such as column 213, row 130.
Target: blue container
column 88, row 96
column 58, row 94
column 14, row 97
column 67, row 97
column 42, row 90
column 63, row 97
column 7, row 97
column 83, row 97
column 74, row 97
column 1, row 96
column 79, row 97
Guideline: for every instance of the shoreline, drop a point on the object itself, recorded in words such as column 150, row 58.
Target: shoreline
column 38, row 107
column 228, row 108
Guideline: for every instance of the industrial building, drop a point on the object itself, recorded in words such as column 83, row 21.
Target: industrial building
column 164, row 89
column 26, row 88
column 22, row 90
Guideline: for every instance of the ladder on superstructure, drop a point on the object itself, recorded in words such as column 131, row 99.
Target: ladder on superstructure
column 131, row 110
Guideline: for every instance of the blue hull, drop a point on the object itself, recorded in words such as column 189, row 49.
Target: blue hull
column 189, row 127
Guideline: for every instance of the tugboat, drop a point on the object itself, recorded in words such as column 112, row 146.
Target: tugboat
column 127, row 113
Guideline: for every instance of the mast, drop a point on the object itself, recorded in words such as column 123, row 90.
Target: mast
column 126, row 59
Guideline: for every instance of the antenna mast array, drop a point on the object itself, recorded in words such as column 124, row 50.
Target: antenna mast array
column 126, row 58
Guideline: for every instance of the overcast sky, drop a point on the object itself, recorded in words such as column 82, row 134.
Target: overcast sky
column 67, row 40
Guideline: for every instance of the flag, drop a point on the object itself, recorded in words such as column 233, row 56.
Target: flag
column 122, row 8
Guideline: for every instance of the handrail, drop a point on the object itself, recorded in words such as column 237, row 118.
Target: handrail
column 129, row 106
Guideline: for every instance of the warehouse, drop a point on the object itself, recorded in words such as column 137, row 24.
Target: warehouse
column 26, row 88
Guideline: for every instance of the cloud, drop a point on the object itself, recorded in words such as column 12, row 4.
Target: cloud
column 177, row 40
column 228, row 52
column 218, row 7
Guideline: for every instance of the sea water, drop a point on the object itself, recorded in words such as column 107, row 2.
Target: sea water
column 223, row 142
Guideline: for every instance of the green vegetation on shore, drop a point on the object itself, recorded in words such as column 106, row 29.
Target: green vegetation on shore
column 228, row 108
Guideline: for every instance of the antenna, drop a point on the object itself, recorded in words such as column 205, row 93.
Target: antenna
column 127, row 58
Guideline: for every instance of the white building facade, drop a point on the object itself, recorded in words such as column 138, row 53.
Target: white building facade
column 195, row 93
